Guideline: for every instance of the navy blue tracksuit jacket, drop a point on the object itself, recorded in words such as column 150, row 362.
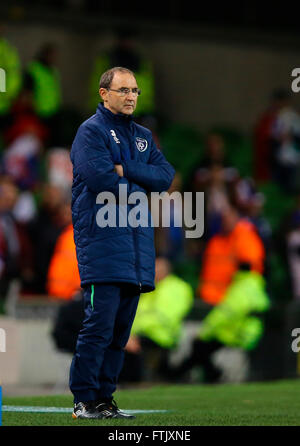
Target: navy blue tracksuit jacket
column 114, row 254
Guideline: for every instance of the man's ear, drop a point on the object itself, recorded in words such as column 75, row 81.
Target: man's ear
column 103, row 94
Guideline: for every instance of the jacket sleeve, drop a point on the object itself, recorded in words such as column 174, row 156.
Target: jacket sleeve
column 155, row 176
column 93, row 162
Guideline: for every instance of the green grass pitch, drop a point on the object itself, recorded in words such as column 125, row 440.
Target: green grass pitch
column 275, row 403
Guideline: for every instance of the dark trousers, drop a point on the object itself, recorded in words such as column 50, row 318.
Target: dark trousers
column 109, row 313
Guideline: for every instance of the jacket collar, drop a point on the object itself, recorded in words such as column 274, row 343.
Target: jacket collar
column 117, row 119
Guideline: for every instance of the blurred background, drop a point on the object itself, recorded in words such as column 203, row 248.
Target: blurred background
column 216, row 93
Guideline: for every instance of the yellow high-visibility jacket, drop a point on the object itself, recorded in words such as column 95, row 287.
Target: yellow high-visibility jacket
column 160, row 313
column 10, row 63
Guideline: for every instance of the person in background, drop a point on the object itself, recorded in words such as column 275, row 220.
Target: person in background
column 169, row 241
column 63, row 280
column 288, row 243
column 157, row 326
column 125, row 53
column 292, row 241
column 44, row 229
column 238, row 243
column 231, row 282
column 277, row 143
column 214, row 176
column 234, row 323
column 250, row 204
column 286, row 148
column 10, row 63
column 24, row 120
column 10, row 245
column 22, row 157
column 42, row 80
column 59, row 168
column 214, row 155
column 63, row 283
column 68, row 322
column 263, row 135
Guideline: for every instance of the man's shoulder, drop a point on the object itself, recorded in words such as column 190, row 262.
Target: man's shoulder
column 91, row 130
column 92, row 125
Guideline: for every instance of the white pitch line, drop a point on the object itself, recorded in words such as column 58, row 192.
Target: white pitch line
column 43, row 409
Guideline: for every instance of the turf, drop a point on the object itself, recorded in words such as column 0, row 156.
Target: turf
column 248, row 404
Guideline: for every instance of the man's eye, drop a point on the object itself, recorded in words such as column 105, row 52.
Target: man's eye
column 124, row 90
column 135, row 90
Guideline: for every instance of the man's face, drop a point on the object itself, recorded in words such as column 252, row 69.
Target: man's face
column 114, row 101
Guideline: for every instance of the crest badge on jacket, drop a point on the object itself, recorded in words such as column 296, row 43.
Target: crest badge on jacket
column 141, row 144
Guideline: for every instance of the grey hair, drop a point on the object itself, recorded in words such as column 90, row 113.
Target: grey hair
column 107, row 76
